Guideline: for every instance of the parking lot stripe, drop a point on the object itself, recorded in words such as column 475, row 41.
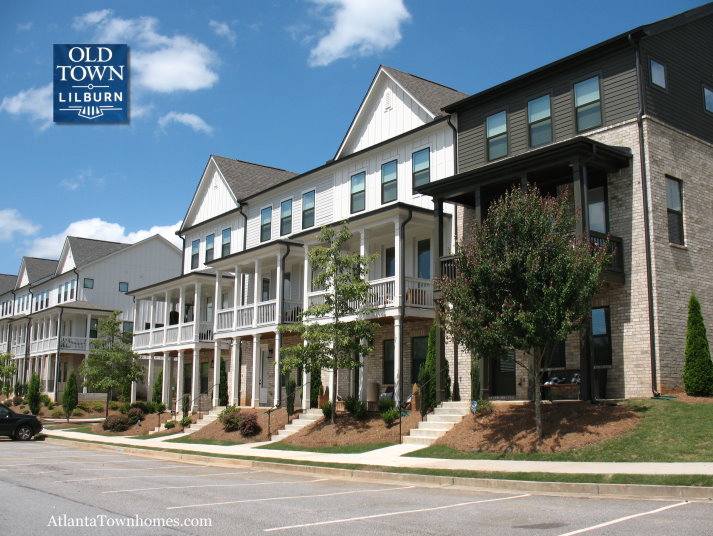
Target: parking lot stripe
column 267, row 499
column 263, row 483
column 152, row 476
column 101, row 469
column 622, row 519
column 54, row 457
column 390, row 514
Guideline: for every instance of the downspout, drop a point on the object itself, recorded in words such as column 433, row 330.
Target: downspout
column 76, row 295
column 456, row 384
column 281, row 308
column 245, row 246
column 27, row 335
column 402, row 301
column 56, row 363
column 647, row 223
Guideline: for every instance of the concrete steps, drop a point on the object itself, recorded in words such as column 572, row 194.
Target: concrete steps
column 443, row 418
column 208, row 418
column 305, row 419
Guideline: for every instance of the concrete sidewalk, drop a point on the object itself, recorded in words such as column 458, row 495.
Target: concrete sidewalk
column 392, row 457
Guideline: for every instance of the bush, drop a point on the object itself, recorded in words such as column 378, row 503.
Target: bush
column 77, row 412
column 85, row 406
column 98, row 407
column 26, row 412
column 350, row 404
column 386, row 403
column 327, row 410
column 70, row 395
column 484, row 407
column 698, row 367
column 150, row 407
column 248, row 425
column 390, row 415
column 160, row 407
column 124, row 408
column 143, row 406
column 186, row 405
column 186, row 421
column 20, row 389
column 427, row 376
column 33, row 394
column 17, row 400
column 135, row 415
column 116, row 423
column 45, row 400
column 157, row 389
column 170, row 424
column 356, row 407
column 57, row 413
column 290, row 389
column 113, row 405
column 230, row 418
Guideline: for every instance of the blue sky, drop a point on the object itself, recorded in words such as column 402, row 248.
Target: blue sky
column 272, row 82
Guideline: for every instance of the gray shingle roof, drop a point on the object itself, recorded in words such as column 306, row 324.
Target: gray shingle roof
column 87, row 250
column 7, row 283
column 430, row 94
column 39, row 268
column 246, row 179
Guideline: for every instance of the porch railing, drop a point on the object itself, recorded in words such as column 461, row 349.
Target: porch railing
column 245, row 316
column 266, row 312
column 73, row 343
column 206, row 331
column 419, row 292
column 225, row 320
column 187, row 332
column 157, row 337
column 615, row 248
column 291, row 311
column 171, row 334
column 142, row 340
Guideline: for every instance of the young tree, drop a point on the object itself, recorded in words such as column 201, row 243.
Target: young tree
column 33, row 394
column 223, row 385
column 110, row 363
column 698, row 367
column 157, row 388
column 336, row 333
column 70, row 396
column 523, row 281
column 427, row 376
column 8, row 368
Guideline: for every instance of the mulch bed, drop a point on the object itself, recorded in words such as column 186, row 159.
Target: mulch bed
column 144, row 427
column 566, row 426
column 348, row 431
column 214, row 430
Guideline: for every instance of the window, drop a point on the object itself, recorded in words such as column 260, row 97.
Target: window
column 88, row 282
column 496, row 127
column 674, row 208
column 265, row 296
column 308, row 209
column 587, row 104
column 71, row 290
column 539, row 120
column 123, row 287
column 225, row 246
column 358, row 192
column 597, row 199
column 421, row 166
column 59, row 295
column 390, row 262
column 389, row 361
column 601, row 337
column 419, row 349
column 127, row 327
column 388, row 182
column 424, row 259
column 209, row 247
column 195, row 245
column 93, row 324
column 286, row 217
column 708, row 98
column 658, row 74
column 265, row 224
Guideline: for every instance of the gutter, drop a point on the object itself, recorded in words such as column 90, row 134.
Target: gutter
column 56, row 363
column 455, row 394
column 402, row 304
column 647, row 224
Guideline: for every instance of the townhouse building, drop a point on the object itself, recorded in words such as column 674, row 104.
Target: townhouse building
column 245, row 267
column 50, row 310
column 626, row 127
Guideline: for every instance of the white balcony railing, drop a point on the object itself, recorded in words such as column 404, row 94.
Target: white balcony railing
column 74, row 343
column 266, row 312
column 172, row 334
column 157, row 337
column 206, row 331
column 382, row 293
column 291, row 311
column 419, row 292
column 187, row 332
column 245, row 316
column 142, row 339
column 225, row 320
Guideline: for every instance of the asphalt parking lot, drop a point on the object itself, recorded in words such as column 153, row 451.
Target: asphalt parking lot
column 51, row 488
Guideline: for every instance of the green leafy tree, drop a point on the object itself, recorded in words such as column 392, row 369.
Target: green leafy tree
column 427, row 375
column 70, row 395
column 336, row 333
column 523, row 281
column 157, row 388
column 223, row 385
column 33, row 394
column 110, row 364
column 8, row 368
column 698, row 367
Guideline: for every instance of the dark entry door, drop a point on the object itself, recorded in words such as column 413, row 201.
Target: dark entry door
column 503, row 376
column 204, row 377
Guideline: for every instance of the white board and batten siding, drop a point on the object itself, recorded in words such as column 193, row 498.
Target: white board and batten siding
column 233, row 221
column 211, row 200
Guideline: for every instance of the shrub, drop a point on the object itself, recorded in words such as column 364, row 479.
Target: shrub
column 45, row 400
column 427, row 376
column 26, row 412
column 186, row 421
column 358, row 408
column 485, row 407
column 386, row 403
column 290, row 388
column 17, row 400
column 113, row 405
column 170, row 424
column 248, row 425
column 698, row 367
column 33, row 394
column 350, row 404
column 98, row 407
column 140, row 405
column 135, row 415
column 77, row 412
column 116, row 423
column 124, row 408
column 327, row 410
column 390, row 415
column 186, row 405
column 160, row 407
column 70, row 395
column 157, row 389
column 230, row 418
column 57, row 413
column 150, row 407
column 85, row 406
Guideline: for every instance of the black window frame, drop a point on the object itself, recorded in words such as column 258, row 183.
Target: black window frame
column 265, row 225
column 225, row 245
column 394, row 181
column 415, row 370
column 707, row 89
column 361, row 193
column 417, row 175
column 93, row 328
column 597, row 360
column 577, row 108
column 390, row 259
column 308, row 212
column 210, row 251
column 674, row 217
column 285, row 221
column 388, row 371
column 663, row 87
column 195, row 251
column 124, row 284
column 88, row 283
column 418, row 258
column 497, row 137
column 531, row 124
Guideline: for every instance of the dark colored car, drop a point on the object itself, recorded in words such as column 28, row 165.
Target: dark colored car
column 18, row 426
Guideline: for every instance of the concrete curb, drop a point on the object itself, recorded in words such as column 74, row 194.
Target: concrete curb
column 639, row 491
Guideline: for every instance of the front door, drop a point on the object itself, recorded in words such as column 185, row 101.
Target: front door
column 264, row 374
column 204, row 377
column 503, row 376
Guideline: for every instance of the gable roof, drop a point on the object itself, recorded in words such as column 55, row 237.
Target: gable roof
column 431, row 95
column 246, row 179
column 87, row 250
column 7, row 283
column 38, row 269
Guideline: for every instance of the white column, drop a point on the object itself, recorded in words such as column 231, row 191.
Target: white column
column 256, row 291
column 307, row 279
column 332, row 382
column 89, row 325
column 234, row 396
column 166, row 387
column 152, row 312
column 197, row 313
column 133, row 392
column 216, row 373
column 165, row 315
column 237, row 293
column 149, row 379
column 397, row 360
column 181, row 305
column 362, row 374
column 256, row 371
column 398, row 291
column 136, row 317
column 217, row 302
column 278, row 383
column 195, row 378
column 280, row 291
column 306, row 388
column 179, row 382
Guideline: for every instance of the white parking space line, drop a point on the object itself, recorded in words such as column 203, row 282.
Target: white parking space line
column 101, row 469
column 261, row 483
column 390, row 514
column 54, row 457
column 153, row 476
column 268, row 499
column 53, row 461
column 622, row 519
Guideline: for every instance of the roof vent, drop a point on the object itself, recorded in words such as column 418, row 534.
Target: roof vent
column 387, row 100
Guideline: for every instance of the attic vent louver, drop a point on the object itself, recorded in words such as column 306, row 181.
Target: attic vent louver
column 387, row 100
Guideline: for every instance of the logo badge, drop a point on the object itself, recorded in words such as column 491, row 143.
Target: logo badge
column 91, row 84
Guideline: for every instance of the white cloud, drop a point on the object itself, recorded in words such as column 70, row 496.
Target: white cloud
column 51, row 246
column 159, row 62
column 358, row 28
column 34, row 102
column 84, row 177
column 24, row 27
column 190, row 120
column 222, row 29
column 12, row 223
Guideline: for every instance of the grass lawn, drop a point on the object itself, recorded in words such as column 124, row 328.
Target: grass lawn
column 206, row 441
column 344, row 449
column 669, row 431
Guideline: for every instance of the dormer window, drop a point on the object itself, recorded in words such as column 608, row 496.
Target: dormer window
column 358, row 192
column 265, row 224
column 195, row 246
column 225, row 246
column 209, row 247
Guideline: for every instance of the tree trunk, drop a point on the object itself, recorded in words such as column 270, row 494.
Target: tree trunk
column 538, row 354
column 333, row 395
column 108, row 398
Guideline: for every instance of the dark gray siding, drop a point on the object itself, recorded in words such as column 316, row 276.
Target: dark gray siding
column 619, row 98
column 687, row 53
